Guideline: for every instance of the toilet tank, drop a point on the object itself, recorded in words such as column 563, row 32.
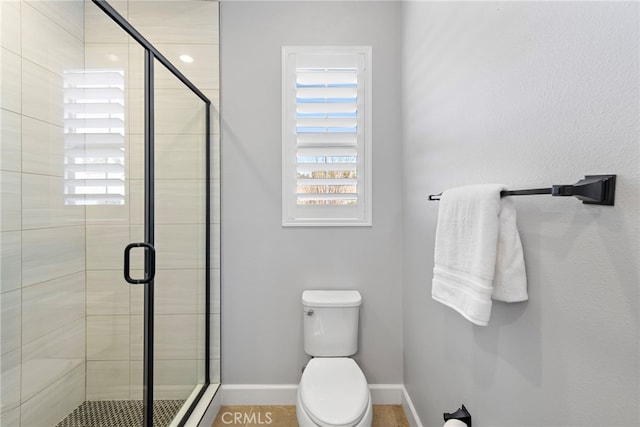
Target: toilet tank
column 331, row 322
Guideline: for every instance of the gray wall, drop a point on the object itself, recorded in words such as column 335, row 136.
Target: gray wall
column 526, row 94
column 265, row 267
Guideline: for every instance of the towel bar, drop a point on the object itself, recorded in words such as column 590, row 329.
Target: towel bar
column 592, row 190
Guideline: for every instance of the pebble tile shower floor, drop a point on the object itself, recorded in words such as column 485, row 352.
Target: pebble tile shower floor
column 120, row 413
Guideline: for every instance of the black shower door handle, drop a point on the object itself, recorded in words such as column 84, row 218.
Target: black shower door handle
column 150, row 263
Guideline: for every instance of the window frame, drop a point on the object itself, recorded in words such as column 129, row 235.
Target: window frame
column 359, row 214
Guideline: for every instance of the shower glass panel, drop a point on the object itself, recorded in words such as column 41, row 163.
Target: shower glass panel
column 180, row 153
column 114, row 201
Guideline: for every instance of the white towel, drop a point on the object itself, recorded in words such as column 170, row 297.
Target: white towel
column 478, row 253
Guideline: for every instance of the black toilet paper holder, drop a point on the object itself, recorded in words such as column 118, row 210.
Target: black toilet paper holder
column 461, row 414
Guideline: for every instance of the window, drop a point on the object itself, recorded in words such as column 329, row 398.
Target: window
column 94, row 130
column 326, row 136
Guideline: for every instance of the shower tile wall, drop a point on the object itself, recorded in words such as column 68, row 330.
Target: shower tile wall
column 70, row 328
column 109, row 229
column 42, row 240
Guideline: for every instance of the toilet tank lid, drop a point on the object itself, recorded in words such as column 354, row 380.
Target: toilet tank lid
column 332, row 298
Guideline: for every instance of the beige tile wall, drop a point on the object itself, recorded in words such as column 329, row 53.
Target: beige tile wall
column 109, row 230
column 42, row 241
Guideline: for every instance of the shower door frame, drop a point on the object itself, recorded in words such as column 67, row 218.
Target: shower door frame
column 151, row 54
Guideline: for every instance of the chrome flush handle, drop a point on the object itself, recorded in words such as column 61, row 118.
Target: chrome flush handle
column 308, row 312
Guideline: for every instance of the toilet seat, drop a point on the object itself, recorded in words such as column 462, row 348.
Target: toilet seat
column 334, row 392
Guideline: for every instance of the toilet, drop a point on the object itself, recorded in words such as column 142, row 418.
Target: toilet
column 333, row 391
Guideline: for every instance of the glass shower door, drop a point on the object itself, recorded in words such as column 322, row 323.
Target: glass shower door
column 181, row 242
column 167, row 263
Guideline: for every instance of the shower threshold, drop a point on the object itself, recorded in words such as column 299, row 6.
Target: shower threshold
column 120, row 413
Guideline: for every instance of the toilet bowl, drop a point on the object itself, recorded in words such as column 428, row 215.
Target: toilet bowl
column 333, row 392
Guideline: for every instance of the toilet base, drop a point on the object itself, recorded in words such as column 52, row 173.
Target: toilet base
column 305, row 421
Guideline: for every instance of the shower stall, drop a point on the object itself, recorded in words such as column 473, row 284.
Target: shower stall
column 109, row 238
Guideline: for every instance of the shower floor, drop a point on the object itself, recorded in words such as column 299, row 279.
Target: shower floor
column 120, row 413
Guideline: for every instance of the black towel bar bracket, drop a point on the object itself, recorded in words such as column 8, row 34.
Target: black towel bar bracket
column 592, row 190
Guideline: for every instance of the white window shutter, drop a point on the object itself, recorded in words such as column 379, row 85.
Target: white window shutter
column 94, row 127
column 326, row 136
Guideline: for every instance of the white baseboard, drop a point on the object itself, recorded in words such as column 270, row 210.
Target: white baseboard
column 272, row 394
column 409, row 409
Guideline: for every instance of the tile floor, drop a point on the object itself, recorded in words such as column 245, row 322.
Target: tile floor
column 120, row 413
column 285, row 416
